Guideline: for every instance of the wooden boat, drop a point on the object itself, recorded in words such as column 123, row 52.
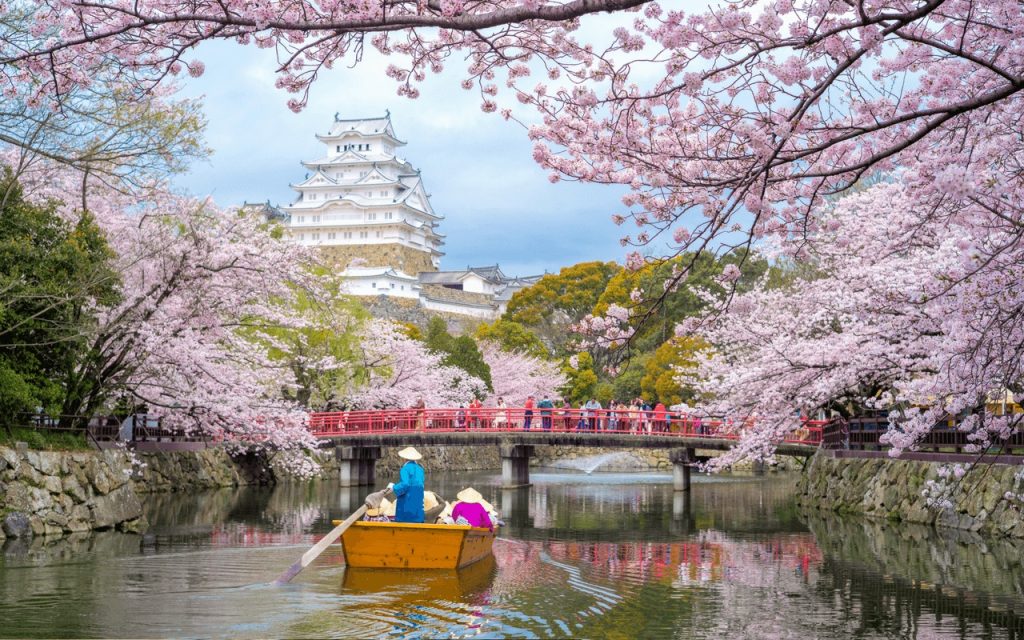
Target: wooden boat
column 402, row 545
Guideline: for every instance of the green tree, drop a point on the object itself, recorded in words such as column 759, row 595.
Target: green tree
column 581, row 382
column 331, row 336
column 626, row 385
column 437, row 337
column 559, row 300
column 54, row 275
column 465, row 354
column 660, row 310
column 675, row 357
column 461, row 351
column 512, row 336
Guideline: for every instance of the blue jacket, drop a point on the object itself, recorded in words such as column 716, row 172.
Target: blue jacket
column 409, row 490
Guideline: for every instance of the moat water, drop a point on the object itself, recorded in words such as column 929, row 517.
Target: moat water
column 601, row 555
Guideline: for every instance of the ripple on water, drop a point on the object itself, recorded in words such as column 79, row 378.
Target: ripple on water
column 606, row 555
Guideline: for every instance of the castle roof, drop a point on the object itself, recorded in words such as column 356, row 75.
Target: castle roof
column 376, row 272
column 265, row 209
column 490, row 273
column 365, row 127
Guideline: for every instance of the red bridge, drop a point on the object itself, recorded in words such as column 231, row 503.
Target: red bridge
column 359, row 435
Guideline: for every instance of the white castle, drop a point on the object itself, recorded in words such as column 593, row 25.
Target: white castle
column 368, row 210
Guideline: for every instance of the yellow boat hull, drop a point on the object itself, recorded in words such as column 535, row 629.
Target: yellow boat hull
column 400, row 545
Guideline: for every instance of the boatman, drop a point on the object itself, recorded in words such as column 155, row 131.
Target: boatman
column 409, row 489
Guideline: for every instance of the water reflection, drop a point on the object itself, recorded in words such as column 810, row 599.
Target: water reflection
column 603, row 556
column 899, row 574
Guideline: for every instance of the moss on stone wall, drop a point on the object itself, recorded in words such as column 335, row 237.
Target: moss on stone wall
column 892, row 489
column 53, row 493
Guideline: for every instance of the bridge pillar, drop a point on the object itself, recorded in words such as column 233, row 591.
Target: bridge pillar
column 515, row 464
column 357, row 466
column 682, row 460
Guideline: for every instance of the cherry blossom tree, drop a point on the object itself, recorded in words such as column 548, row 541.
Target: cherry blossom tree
column 728, row 124
column 196, row 283
column 400, row 371
column 899, row 314
column 736, row 125
column 515, row 375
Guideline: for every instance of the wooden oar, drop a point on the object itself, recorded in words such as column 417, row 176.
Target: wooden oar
column 319, row 547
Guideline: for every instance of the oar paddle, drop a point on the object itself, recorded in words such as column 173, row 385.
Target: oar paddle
column 319, row 547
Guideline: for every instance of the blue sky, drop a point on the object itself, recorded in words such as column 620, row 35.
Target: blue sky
column 498, row 204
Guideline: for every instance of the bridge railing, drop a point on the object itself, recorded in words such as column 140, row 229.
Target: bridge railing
column 138, row 427
column 864, row 434
column 519, row 419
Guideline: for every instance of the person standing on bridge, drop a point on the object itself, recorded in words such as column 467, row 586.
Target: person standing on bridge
column 421, row 414
column 528, row 413
column 500, row 414
column 474, row 412
column 545, row 406
column 660, row 416
column 409, row 489
column 592, row 410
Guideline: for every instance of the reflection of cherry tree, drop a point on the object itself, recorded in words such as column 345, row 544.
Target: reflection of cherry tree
column 710, row 556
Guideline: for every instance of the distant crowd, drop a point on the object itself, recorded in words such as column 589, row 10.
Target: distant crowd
column 637, row 416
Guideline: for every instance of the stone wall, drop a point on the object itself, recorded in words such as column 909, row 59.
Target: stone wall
column 53, row 493
column 397, row 256
column 441, row 292
column 892, row 489
column 409, row 310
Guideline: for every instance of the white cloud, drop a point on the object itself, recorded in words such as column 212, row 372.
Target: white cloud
column 498, row 203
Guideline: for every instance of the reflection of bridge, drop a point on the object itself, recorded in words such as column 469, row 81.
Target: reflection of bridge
column 359, row 435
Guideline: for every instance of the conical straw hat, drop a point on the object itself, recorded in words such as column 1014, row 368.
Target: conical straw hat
column 469, row 495
column 410, row 453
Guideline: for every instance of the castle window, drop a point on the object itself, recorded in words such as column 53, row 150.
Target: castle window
column 363, row 234
column 316, row 236
column 392, row 285
column 373, row 284
column 330, row 236
column 379, row 234
column 302, row 236
column 316, row 218
column 338, row 149
column 301, row 219
column 387, row 216
column 348, row 235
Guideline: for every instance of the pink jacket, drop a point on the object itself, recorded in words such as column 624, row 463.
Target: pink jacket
column 474, row 513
